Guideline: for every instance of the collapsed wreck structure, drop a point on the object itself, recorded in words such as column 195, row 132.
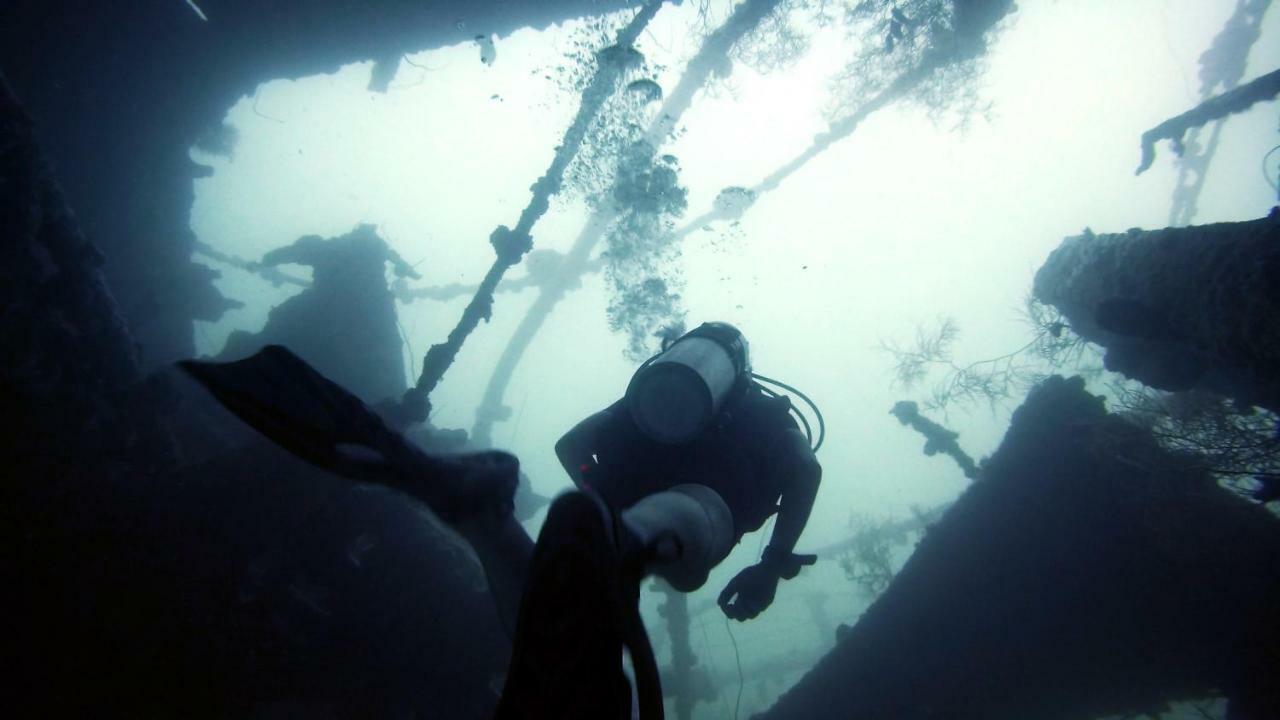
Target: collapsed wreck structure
column 1150, row 583
column 288, row 589
column 172, row 564
column 1178, row 309
column 121, row 93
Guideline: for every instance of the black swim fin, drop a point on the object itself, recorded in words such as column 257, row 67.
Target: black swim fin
column 578, row 612
column 284, row 398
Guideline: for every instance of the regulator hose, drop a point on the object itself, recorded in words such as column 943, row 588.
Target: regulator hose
column 822, row 424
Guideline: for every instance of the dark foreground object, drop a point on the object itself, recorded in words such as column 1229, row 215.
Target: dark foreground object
column 1178, row 308
column 1215, row 108
column 344, row 323
column 577, row 613
column 161, row 564
column 580, row 607
column 1087, row 573
column 319, row 421
column 118, row 116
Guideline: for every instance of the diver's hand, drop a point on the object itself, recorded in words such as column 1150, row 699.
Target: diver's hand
column 586, row 473
column 749, row 592
column 788, row 566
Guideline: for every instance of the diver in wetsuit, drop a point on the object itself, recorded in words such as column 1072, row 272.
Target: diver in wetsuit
column 694, row 457
column 670, row 477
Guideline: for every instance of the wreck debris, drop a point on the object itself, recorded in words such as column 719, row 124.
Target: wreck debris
column 488, row 53
column 1222, row 67
column 540, row 267
column 711, row 57
column 947, row 47
column 1090, row 573
column 733, row 202
column 46, row 257
column 937, row 438
column 973, row 19
column 621, row 57
column 511, row 245
column 894, row 532
column 345, row 323
column 196, row 9
column 141, row 219
column 222, row 589
column 1178, row 308
column 648, row 90
column 681, row 679
column 711, row 61
column 1229, row 103
column 271, row 274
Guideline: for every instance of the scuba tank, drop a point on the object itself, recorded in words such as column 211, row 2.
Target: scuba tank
column 676, row 394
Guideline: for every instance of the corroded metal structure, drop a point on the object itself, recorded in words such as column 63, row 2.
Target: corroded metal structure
column 1179, row 308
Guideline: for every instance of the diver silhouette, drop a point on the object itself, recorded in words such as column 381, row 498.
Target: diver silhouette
column 669, row 478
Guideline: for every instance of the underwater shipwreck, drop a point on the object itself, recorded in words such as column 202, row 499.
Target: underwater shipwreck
column 280, row 522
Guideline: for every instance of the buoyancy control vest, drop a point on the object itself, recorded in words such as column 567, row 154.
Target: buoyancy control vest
column 740, row 455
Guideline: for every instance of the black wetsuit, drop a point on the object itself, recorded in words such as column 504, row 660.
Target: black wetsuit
column 740, row 455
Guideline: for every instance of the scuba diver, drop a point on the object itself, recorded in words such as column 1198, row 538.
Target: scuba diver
column 670, row 477
column 694, row 456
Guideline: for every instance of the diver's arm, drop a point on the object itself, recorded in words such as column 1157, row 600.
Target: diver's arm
column 400, row 267
column 576, row 450
column 303, row 251
column 797, row 500
column 752, row 589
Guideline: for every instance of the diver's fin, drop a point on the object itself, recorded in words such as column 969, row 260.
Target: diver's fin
column 528, row 502
column 284, row 398
column 578, row 611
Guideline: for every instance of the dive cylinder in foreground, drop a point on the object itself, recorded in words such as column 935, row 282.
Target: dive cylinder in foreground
column 675, row 396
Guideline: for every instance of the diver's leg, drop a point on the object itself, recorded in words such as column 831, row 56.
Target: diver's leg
column 580, row 604
column 475, row 495
column 687, row 529
column 678, row 534
column 576, row 615
column 504, row 550
column 321, row 422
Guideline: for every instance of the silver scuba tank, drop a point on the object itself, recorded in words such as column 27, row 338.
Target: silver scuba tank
column 674, row 396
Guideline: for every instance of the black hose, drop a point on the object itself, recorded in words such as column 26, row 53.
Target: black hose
column 1266, row 175
column 822, row 424
column 808, row 431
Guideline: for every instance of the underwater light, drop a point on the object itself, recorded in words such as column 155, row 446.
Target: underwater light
column 192, row 4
